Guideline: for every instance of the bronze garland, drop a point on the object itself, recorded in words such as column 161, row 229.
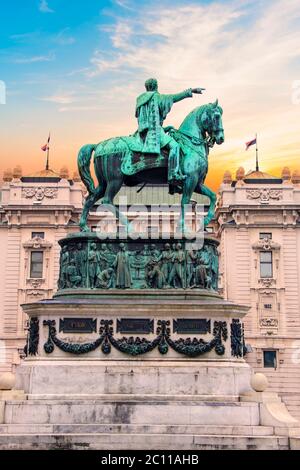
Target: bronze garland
column 138, row 346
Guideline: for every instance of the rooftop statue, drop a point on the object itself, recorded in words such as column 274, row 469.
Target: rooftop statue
column 154, row 154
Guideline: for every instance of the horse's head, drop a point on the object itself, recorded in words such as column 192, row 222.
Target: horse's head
column 211, row 123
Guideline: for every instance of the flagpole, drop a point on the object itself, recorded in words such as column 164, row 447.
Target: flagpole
column 257, row 167
column 48, row 151
column 47, row 162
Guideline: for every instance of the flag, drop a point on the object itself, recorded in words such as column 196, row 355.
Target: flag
column 46, row 146
column 251, row 142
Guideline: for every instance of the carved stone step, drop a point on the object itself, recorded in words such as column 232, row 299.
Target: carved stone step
column 138, row 397
column 141, row 441
column 135, row 429
column 131, row 412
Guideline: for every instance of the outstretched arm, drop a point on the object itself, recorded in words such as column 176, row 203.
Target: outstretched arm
column 181, row 96
column 186, row 94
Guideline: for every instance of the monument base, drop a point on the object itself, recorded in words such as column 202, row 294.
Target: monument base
column 205, row 380
column 92, row 383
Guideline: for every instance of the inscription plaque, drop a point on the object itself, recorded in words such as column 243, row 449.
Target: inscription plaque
column 135, row 325
column 191, row 325
column 78, row 325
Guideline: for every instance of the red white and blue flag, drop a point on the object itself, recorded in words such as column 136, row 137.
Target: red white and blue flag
column 46, row 146
column 251, row 142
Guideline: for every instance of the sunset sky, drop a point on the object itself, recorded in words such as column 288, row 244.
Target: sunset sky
column 76, row 68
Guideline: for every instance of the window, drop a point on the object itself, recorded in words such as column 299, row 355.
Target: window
column 270, row 359
column 36, row 265
column 267, row 235
column 266, row 265
column 38, row 235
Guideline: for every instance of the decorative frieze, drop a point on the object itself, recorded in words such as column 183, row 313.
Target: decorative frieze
column 138, row 346
column 36, row 293
column 264, row 195
column 35, row 283
column 266, row 244
column 31, row 348
column 87, row 263
column 237, row 338
column 269, row 322
column 37, row 244
column 267, row 281
column 39, row 193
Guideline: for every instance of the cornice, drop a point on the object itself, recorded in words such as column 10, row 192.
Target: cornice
column 252, row 207
column 39, row 207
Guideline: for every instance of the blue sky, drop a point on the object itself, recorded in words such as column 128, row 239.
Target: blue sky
column 50, row 42
column 76, row 67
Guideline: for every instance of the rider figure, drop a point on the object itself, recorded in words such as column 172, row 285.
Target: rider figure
column 151, row 111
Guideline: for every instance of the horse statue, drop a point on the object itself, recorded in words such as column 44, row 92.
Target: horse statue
column 116, row 164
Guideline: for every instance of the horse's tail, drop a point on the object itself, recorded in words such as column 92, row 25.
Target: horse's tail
column 83, row 162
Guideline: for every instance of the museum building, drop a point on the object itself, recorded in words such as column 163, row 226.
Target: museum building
column 258, row 225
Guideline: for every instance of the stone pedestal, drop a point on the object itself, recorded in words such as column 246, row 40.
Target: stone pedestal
column 156, row 342
column 138, row 368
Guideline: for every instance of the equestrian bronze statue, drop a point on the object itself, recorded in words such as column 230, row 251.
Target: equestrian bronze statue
column 154, row 154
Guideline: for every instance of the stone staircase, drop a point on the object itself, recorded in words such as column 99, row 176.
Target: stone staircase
column 146, row 423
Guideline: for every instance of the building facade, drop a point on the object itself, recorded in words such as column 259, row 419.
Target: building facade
column 35, row 212
column 258, row 224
